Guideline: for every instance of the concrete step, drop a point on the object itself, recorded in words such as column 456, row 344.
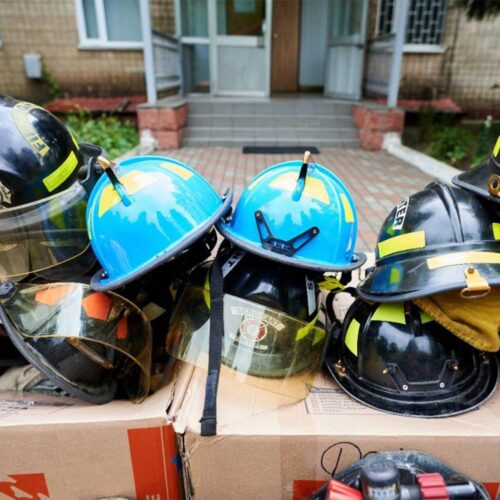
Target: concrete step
column 239, row 142
column 270, row 134
column 287, row 107
column 263, row 121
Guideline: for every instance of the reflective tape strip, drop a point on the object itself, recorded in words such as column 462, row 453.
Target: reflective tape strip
column 132, row 182
column 314, row 188
column 457, row 259
column 402, row 243
column 391, row 313
column 61, row 174
column 496, row 230
column 351, row 337
column 425, row 318
column 330, row 283
column 306, row 329
column 349, row 214
column 496, row 149
column 97, row 305
column 182, row 172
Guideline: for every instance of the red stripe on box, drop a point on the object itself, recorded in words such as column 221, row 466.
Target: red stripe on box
column 153, row 455
column 303, row 489
column 493, row 489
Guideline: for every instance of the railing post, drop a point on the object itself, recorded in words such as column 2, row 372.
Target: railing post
column 400, row 16
column 147, row 37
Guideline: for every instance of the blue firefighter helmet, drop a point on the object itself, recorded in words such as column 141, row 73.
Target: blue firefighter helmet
column 145, row 212
column 299, row 214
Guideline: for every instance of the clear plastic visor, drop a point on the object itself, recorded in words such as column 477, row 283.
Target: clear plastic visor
column 41, row 235
column 261, row 347
column 105, row 328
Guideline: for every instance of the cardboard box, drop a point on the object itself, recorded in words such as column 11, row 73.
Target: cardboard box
column 61, row 448
column 264, row 450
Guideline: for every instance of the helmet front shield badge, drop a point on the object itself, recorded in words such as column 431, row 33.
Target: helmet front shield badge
column 86, row 342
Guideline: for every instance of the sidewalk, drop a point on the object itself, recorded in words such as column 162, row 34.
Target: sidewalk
column 376, row 180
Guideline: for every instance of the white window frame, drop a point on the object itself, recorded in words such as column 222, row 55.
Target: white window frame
column 415, row 48
column 101, row 43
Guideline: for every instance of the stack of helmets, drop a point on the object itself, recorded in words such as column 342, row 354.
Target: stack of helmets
column 420, row 339
column 253, row 314
column 78, row 342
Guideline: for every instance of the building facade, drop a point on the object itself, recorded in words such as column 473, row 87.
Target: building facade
column 249, row 48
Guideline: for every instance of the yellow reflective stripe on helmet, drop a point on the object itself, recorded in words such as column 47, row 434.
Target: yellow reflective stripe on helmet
column 349, row 214
column 61, row 173
column 457, row 259
column 496, row 149
column 425, row 318
column 402, row 243
column 390, row 312
column 260, row 178
column 132, row 182
column 314, row 188
column 351, row 337
column 182, row 172
column 496, row 230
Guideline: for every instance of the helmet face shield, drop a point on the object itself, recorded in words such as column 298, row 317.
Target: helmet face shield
column 84, row 341
column 261, row 347
column 42, row 235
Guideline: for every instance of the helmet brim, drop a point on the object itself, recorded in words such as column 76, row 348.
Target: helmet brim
column 476, row 180
column 359, row 258
column 443, row 404
column 102, row 284
column 396, row 280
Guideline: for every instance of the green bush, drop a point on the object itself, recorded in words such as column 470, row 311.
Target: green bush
column 115, row 136
column 449, row 144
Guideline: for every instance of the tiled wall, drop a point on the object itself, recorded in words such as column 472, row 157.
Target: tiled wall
column 49, row 28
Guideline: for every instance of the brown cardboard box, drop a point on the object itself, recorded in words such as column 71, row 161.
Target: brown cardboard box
column 60, row 448
column 266, row 451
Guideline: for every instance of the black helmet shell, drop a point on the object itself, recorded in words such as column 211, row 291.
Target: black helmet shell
column 483, row 180
column 429, row 241
column 395, row 358
column 38, row 155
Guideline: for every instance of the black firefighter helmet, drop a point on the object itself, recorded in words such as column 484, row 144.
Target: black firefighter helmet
column 89, row 344
column 395, row 358
column 271, row 325
column 484, row 180
column 45, row 181
column 439, row 239
column 400, row 474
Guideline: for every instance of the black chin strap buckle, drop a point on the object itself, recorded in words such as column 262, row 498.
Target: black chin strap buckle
column 283, row 247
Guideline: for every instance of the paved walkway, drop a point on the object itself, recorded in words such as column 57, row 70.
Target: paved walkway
column 376, row 180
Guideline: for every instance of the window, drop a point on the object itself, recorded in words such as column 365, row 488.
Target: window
column 424, row 27
column 109, row 24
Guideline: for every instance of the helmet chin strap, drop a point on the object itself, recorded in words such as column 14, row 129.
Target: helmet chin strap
column 209, row 419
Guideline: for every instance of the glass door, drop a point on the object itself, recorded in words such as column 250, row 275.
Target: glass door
column 346, row 48
column 195, row 46
column 240, row 46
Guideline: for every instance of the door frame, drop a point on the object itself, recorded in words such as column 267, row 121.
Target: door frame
column 214, row 40
column 346, row 40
